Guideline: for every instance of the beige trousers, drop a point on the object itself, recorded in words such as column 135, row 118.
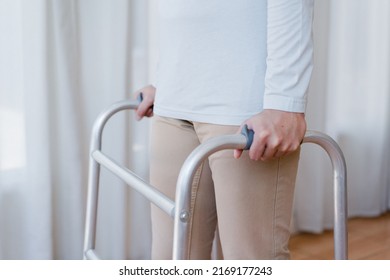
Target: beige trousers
column 250, row 201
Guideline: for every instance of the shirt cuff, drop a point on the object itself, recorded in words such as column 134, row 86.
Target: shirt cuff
column 284, row 103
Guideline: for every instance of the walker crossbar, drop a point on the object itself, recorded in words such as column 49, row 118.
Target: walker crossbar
column 179, row 210
column 148, row 191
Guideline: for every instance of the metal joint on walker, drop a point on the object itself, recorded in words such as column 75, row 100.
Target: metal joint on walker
column 184, row 216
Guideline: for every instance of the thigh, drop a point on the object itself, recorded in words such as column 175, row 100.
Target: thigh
column 171, row 142
column 254, row 201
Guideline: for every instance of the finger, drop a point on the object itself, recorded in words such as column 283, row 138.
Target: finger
column 149, row 113
column 144, row 107
column 140, row 112
column 279, row 154
column 237, row 153
column 140, row 109
column 269, row 152
column 280, row 151
column 286, row 150
column 258, row 147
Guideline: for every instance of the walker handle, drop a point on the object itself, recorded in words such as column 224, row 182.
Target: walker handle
column 248, row 133
column 140, row 98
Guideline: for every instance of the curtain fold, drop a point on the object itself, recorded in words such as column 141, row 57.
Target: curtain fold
column 348, row 99
column 25, row 198
column 71, row 59
column 63, row 62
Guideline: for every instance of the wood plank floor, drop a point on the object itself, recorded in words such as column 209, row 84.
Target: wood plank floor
column 368, row 239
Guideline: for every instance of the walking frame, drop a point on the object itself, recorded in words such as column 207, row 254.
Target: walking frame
column 179, row 209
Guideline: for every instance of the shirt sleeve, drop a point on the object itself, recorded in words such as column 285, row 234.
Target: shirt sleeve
column 289, row 54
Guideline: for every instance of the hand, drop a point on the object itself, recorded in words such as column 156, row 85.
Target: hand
column 277, row 133
column 145, row 108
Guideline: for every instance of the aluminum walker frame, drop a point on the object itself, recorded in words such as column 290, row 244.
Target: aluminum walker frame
column 179, row 210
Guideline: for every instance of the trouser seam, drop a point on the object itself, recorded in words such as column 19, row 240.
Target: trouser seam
column 194, row 190
column 274, row 210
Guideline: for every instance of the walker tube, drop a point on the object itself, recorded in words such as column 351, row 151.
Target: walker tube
column 340, row 190
column 94, row 171
column 202, row 152
column 183, row 187
column 135, row 182
column 180, row 209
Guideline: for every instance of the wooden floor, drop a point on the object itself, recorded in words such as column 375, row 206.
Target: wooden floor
column 369, row 239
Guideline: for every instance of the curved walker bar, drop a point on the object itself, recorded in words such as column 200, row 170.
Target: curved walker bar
column 98, row 158
column 94, row 175
column 179, row 210
column 183, row 188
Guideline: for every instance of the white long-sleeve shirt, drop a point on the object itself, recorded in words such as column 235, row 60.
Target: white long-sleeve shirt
column 224, row 61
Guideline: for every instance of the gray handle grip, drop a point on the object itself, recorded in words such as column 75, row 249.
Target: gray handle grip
column 248, row 133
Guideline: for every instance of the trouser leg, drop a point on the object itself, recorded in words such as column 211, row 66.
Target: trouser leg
column 254, row 200
column 171, row 142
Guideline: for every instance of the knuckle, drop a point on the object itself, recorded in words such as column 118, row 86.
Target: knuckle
column 295, row 146
column 263, row 134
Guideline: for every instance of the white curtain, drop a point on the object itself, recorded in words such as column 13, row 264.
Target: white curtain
column 64, row 61
column 349, row 99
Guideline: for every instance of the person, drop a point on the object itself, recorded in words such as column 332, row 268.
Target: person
column 223, row 64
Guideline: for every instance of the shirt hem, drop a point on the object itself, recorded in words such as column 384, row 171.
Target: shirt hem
column 204, row 117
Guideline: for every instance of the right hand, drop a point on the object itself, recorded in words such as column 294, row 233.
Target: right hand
column 276, row 133
column 145, row 108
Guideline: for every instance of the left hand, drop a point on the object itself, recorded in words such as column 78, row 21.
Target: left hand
column 277, row 133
